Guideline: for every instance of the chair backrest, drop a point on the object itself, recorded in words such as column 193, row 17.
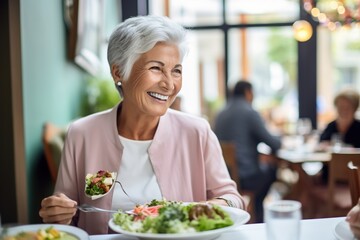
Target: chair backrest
column 53, row 142
column 354, row 178
column 229, row 154
column 339, row 171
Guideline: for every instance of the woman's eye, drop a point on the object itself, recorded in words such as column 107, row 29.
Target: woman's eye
column 177, row 71
column 156, row 68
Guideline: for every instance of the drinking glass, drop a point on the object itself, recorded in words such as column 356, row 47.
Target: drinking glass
column 303, row 126
column 282, row 220
column 336, row 142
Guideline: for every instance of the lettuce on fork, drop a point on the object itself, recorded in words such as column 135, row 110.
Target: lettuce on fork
column 99, row 183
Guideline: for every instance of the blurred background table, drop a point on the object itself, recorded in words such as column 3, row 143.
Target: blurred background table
column 299, row 157
column 305, row 165
column 312, row 188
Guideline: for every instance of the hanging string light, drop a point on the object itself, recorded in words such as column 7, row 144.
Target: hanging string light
column 334, row 13
column 302, row 30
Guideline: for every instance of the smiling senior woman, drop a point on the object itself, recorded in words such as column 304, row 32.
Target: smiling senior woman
column 157, row 152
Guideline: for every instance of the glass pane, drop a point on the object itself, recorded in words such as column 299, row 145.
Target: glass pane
column 261, row 11
column 203, row 73
column 267, row 57
column 157, row 7
column 338, row 68
column 196, row 12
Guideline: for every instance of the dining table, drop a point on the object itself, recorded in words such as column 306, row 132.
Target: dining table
column 305, row 164
column 310, row 229
column 296, row 157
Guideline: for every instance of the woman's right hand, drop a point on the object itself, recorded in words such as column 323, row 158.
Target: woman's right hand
column 57, row 208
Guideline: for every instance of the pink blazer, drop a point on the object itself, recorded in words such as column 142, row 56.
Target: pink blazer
column 185, row 154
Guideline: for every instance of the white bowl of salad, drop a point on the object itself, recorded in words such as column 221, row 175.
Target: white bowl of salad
column 176, row 220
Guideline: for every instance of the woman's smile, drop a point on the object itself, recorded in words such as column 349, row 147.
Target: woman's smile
column 158, row 96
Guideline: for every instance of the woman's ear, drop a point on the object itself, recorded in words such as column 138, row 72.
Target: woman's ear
column 115, row 73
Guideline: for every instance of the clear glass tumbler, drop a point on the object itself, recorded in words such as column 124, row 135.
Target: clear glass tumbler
column 282, row 219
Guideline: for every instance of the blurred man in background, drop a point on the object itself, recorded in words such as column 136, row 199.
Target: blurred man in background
column 239, row 123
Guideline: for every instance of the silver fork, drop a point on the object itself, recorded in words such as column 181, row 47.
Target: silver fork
column 88, row 208
column 122, row 188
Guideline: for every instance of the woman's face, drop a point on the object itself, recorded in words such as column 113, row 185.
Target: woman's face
column 155, row 80
column 344, row 108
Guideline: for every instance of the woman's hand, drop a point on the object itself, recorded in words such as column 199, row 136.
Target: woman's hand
column 353, row 217
column 57, row 208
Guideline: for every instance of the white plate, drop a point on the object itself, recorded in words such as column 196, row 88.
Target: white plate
column 239, row 217
column 342, row 231
column 77, row 232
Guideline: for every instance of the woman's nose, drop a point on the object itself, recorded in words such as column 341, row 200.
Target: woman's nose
column 167, row 82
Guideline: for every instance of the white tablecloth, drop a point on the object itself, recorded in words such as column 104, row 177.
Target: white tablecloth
column 303, row 157
column 311, row 229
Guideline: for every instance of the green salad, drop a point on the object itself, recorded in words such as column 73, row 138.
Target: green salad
column 99, row 183
column 173, row 217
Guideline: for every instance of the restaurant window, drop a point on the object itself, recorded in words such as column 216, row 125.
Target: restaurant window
column 338, row 67
column 196, row 13
column 261, row 11
column 204, row 71
column 270, row 63
column 260, row 47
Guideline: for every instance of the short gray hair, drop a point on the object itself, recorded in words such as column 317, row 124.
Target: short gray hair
column 138, row 35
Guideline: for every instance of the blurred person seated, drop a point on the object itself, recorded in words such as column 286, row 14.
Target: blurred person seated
column 238, row 122
column 345, row 125
column 345, row 129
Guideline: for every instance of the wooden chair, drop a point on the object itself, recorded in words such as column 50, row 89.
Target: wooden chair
column 335, row 196
column 229, row 154
column 53, row 141
column 354, row 178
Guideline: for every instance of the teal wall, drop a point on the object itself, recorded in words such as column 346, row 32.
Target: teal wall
column 52, row 86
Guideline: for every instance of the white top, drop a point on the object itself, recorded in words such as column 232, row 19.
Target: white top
column 136, row 175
